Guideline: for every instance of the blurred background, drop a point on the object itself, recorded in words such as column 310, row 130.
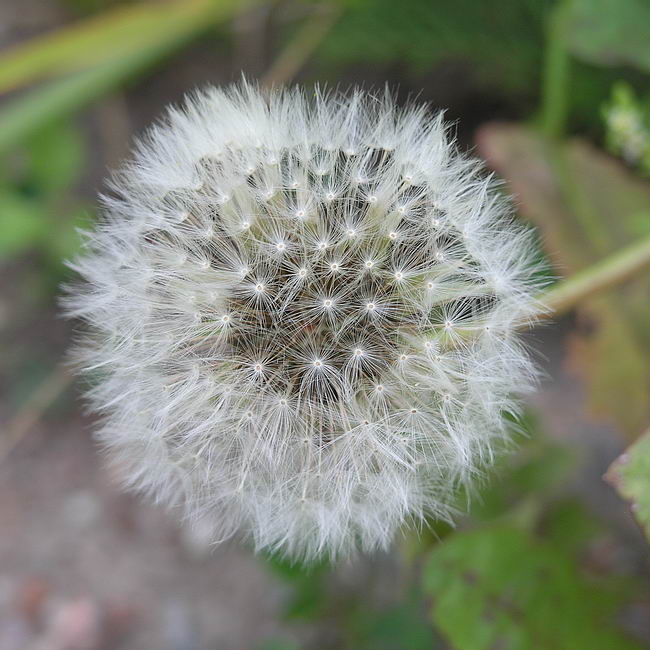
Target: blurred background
column 555, row 96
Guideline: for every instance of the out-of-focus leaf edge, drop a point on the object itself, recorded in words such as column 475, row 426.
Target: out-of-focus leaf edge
column 55, row 99
column 629, row 474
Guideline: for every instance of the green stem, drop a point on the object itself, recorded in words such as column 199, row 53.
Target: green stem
column 613, row 270
column 555, row 84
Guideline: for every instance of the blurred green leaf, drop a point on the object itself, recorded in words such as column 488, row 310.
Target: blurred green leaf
column 56, row 157
column 536, row 469
column 402, row 627
column 41, row 106
column 498, row 588
column 53, row 100
column 22, row 223
column 119, row 32
column 421, row 33
column 610, row 32
column 639, row 224
column 630, row 475
column 569, row 527
column 587, row 205
column 292, row 570
column 63, row 239
column 308, row 589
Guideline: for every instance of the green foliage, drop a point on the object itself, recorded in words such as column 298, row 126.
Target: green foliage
column 400, row 627
column 55, row 158
column 569, row 527
column 610, row 32
column 356, row 621
column 421, row 32
column 22, row 223
column 39, row 213
column 498, row 587
column 118, row 33
column 121, row 45
column 510, row 578
column 308, row 597
column 517, row 483
column 500, row 49
column 630, row 474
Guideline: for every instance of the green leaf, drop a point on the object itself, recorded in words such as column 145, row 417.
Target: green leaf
column 421, row 34
column 569, row 526
column 630, row 475
column 55, row 157
column 43, row 105
column 499, row 588
column 402, row 627
column 610, row 32
column 119, row 32
column 308, row 589
column 537, row 468
column 63, row 239
column 587, row 205
column 22, row 224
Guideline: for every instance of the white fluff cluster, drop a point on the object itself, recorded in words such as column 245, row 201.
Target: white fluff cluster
column 302, row 313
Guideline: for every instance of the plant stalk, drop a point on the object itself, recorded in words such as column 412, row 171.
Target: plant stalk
column 613, row 270
column 555, row 83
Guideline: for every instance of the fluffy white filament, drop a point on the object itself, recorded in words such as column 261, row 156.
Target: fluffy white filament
column 301, row 314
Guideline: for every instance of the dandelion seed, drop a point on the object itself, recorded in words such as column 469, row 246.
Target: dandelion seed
column 247, row 331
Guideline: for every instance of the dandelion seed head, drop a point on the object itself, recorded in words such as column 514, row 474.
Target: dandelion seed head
column 301, row 312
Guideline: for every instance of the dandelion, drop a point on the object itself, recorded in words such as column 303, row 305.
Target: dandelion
column 301, row 317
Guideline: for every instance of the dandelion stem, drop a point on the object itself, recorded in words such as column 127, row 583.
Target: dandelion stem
column 603, row 275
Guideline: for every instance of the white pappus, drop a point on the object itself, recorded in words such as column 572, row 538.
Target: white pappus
column 301, row 314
